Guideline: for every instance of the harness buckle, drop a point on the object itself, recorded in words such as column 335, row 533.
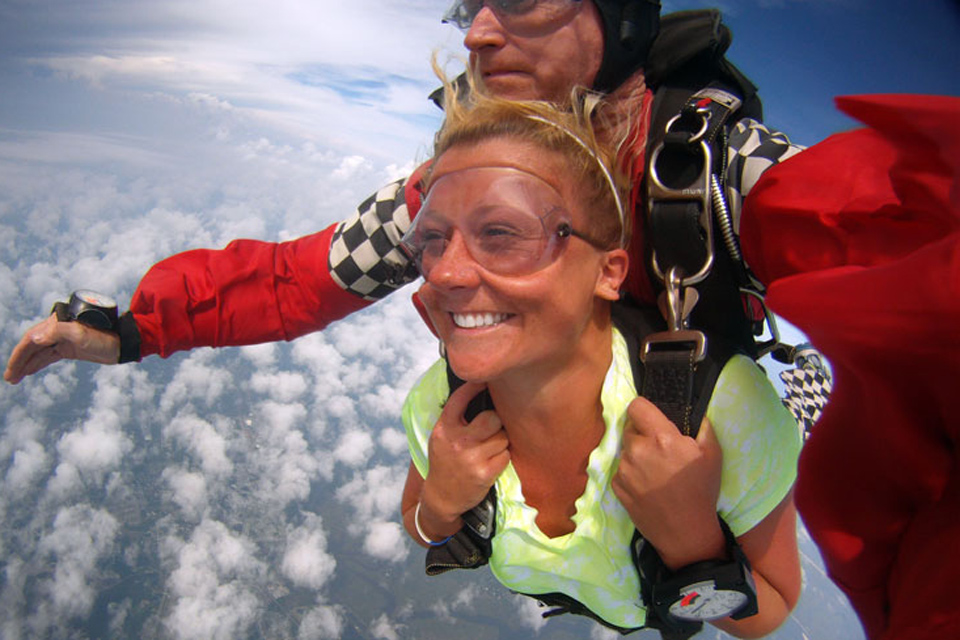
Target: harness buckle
column 697, row 192
column 480, row 519
column 676, row 303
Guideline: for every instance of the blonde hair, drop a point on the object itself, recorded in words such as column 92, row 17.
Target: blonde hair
column 472, row 116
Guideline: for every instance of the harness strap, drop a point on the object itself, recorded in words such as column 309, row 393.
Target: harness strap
column 685, row 190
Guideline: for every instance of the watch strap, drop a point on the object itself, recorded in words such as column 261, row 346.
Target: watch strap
column 658, row 585
column 62, row 311
column 129, row 339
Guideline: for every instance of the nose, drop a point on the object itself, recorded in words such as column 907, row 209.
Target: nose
column 455, row 268
column 485, row 31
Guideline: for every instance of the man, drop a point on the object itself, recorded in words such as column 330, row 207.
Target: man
column 522, row 50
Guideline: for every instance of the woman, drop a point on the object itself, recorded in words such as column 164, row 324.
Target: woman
column 520, row 242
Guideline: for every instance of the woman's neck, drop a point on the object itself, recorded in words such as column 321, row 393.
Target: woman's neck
column 554, row 420
column 541, row 403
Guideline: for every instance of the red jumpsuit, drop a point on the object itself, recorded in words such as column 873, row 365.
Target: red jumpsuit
column 859, row 238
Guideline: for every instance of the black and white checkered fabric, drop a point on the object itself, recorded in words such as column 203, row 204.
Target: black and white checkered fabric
column 365, row 258
column 807, row 391
column 751, row 150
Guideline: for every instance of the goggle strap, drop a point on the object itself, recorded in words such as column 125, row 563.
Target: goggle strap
column 606, row 172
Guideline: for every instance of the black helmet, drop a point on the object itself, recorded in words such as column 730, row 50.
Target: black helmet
column 629, row 28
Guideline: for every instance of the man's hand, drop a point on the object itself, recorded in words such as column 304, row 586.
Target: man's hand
column 52, row 341
column 669, row 484
column 465, row 460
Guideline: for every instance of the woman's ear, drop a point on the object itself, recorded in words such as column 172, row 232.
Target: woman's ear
column 613, row 271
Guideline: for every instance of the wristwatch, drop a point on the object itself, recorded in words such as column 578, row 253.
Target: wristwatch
column 702, row 591
column 90, row 308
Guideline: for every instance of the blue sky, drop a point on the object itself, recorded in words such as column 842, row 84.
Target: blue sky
column 803, row 53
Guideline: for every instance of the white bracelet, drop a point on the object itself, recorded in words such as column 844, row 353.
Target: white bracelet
column 423, row 536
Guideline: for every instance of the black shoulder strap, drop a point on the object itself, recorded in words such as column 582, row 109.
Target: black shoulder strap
column 681, row 391
column 690, row 76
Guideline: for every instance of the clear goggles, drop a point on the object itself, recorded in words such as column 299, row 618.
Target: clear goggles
column 513, row 14
column 511, row 222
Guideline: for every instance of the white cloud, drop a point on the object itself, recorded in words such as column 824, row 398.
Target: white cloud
column 261, row 355
column 386, row 541
column 211, row 599
column 189, row 491
column 320, row 623
column 97, row 446
column 28, row 463
column 65, row 481
column 285, row 461
column 306, row 562
column 81, row 536
column 354, row 448
column 374, row 492
column 350, row 166
column 197, row 379
column 385, row 629
column 201, row 439
column 374, row 495
column 394, row 441
column 20, row 428
column 283, row 386
column 530, row 613
column 118, row 613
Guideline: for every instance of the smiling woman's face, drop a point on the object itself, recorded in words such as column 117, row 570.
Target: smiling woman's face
column 495, row 319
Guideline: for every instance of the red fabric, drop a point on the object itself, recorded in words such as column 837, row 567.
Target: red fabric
column 859, row 237
column 247, row 293
column 637, row 283
column 250, row 292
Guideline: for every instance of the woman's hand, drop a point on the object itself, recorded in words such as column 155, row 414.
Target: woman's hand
column 465, row 460
column 51, row 341
column 669, row 484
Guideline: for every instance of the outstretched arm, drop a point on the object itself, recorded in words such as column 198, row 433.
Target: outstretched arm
column 250, row 292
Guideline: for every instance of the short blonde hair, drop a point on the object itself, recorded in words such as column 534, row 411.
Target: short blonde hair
column 473, row 116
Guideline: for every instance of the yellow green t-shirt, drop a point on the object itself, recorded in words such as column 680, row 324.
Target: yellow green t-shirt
column 592, row 564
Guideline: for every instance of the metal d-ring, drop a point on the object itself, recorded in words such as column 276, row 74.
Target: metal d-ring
column 705, row 115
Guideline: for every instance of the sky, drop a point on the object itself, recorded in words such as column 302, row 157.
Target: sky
column 254, row 492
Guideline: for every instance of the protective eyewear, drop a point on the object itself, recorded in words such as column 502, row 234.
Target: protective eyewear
column 512, row 13
column 511, row 222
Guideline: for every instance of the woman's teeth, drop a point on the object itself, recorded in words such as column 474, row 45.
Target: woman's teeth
column 476, row 320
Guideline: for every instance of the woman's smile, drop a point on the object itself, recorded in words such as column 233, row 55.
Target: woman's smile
column 478, row 320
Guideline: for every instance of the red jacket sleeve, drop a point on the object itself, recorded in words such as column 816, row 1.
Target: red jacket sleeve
column 859, row 240
column 247, row 293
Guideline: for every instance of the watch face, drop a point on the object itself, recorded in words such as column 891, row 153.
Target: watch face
column 94, row 298
column 703, row 601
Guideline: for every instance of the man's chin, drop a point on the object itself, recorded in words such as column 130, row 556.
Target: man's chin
column 511, row 87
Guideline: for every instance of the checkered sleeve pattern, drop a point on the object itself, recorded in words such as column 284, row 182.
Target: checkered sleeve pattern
column 751, row 150
column 807, row 391
column 365, row 256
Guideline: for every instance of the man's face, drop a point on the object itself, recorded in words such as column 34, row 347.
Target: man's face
column 537, row 60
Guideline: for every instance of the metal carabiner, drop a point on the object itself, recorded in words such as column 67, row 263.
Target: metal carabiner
column 697, row 191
